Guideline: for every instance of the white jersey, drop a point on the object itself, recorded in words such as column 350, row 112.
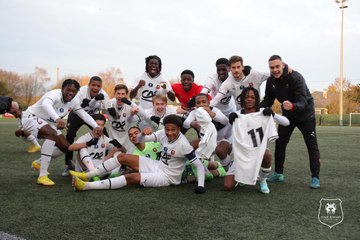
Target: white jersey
column 220, row 121
column 212, row 86
column 94, row 106
column 173, row 155
column 119, row 125
column 208, row 133
column 97, row 152
column 151, row 88
column 152, row 112
column 251, row 132
column 235, row 87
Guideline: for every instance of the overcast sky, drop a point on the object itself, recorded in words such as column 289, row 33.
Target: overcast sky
column 87, row 36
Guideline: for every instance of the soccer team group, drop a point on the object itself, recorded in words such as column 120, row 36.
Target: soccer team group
column 144, row 143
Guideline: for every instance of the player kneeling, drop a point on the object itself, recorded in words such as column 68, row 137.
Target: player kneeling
column 175, row 150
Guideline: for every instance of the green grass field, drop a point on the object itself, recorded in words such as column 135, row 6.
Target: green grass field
column 290, row 211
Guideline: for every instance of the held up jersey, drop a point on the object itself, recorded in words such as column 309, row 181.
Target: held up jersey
column 151, row 88
column 251, row 132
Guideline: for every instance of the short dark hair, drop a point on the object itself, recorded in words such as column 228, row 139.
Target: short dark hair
column 243, row 95
column 147, row 60
column 187, row 71
column 235, row 58
column 99, row 116
column 222, row 61
column 121, row 86
column 70, row 82
column 95, row 78
column 173, row 119
column 275, row 57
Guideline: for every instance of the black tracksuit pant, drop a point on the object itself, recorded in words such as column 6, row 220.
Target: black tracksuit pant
column 307, row 129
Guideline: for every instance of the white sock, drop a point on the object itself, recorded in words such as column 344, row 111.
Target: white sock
column 112, row 183
column 33, row 140
column 57, row 152
column 104, row 168
column 86, row 159
column 264, row 173
column 226, row 162
column 46, row 153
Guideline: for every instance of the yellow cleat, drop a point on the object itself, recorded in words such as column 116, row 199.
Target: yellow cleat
column 36, row 166
column 78, row 184
column 33, row 148
column 45, row 180
column 82, row 175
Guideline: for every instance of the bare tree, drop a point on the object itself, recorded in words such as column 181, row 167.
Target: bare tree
column 111, row 77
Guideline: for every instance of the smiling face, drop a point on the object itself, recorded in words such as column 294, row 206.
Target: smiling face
column 95, row 87
column 276, row 68
column 201, row 101
column 133, row 133
column 187, row 81
column 69, row 92
column 153, row 68
column 250, row 100
column 120, row 93
column 222, row 71
column 159, row 105
column 171, row 131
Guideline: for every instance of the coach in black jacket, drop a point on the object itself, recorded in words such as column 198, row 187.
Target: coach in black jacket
column 298, row 106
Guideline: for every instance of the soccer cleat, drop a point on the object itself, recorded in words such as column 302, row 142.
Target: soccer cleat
column 81, row 175
column 33, row 148
column 276, row 177
column 264, row 187
column 36, row 166
column 221, row 170
column 65, row 173
column 78, row 184
column 45, row 180
column 315, row 183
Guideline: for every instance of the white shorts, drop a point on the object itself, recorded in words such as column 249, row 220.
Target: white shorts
column 151, row 174
column 32, row 124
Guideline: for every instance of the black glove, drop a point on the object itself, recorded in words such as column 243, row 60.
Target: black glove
column 268, row 111
column 93, row 141
column 112, row 112
column 155, row 119
column 85, row 102
column 126, row 101
column 115, row 143
column 200, row 189
column 232, row 117
column 100, row 96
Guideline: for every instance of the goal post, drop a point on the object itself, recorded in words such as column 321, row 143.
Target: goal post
column 351, row 118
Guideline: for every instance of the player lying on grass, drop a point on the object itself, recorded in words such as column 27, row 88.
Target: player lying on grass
column 44, row 119
column 252, row 128
column 21, row 133
column 175, row 150
column 94, row 149
column 145, row 149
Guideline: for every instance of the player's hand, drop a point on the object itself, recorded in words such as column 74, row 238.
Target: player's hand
column 232, row 117
column 60, row 124
column 116, row 143
column 141, row 83
column 100, row 96
column 200, row 189
column 147, row 131
column 246, row 70
column 163, row 86
column 19, row 133
column 126, row 101
column 112, row 112
column 134, row 110
column 85, row 103
column 268, row 111
column 287, row 105
column 155, row 119
column 191, row 103
column 93, row 141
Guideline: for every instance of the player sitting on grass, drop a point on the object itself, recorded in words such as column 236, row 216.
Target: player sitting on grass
column 252, row 127
column 95, row 149
column 24, row 135
column 148, row 173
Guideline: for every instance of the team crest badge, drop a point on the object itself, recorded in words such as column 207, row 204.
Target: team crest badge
column 61, row 110
column 96, row 146
column 330, row 212
column 124, row 114
column 172, row 152
column 154, row 149
column 103, row 145
column 251, row 84
column 150, row 84
column 158, row 87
